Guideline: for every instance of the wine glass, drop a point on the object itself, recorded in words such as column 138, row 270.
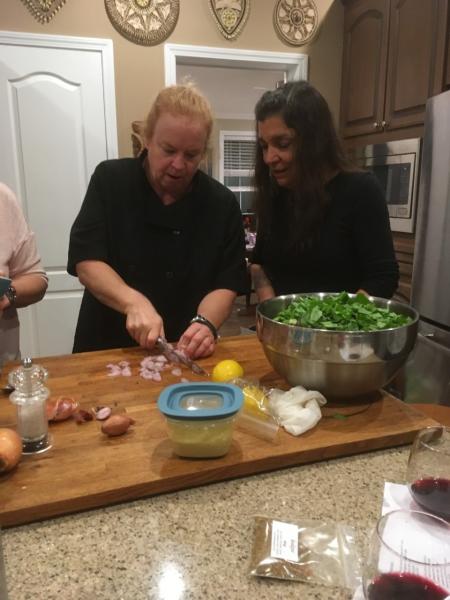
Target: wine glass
column 408, row 558
column 428, row 472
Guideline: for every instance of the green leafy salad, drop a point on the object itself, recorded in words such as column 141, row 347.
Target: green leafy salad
column 340, row 312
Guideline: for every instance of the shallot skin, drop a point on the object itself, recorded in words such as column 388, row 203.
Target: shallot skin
column 117, row 425
column 82, row 416
column 61, row 408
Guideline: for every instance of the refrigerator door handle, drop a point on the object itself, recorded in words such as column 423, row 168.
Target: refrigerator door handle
column 430, row 338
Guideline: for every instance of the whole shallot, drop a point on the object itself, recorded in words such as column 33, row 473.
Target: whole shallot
column 117, row 425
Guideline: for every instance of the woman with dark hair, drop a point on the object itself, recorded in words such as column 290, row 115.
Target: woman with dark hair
column 323, row 225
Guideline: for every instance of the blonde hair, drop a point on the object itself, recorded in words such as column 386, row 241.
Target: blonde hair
column 184, row 100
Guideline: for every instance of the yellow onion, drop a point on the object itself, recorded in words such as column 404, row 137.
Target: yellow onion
column 10, row 449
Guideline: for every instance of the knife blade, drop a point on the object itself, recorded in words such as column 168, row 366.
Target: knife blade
column 177, row 356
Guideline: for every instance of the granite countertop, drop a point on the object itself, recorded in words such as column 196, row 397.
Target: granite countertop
column 193, row 544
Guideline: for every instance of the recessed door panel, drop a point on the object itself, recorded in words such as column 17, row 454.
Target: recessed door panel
column 56, row 125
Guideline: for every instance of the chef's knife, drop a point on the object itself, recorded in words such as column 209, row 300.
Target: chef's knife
column 177, row 356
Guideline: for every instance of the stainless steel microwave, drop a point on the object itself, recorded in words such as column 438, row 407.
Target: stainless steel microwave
column 396, row 166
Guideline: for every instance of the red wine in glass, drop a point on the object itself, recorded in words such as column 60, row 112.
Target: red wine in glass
column 408, row 557
column 433, row 494
column 428, row 472
column 404, row 586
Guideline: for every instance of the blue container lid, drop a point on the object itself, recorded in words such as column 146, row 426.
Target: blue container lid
column 200, row 400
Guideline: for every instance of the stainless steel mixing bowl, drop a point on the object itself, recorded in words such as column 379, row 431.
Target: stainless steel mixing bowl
column 337, row 363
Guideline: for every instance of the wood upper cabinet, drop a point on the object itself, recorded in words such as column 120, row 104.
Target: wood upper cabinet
column 416, row 58
column 394, row 60
column 366, row 29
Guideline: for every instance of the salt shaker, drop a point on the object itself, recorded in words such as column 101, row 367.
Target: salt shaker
column 29, row 396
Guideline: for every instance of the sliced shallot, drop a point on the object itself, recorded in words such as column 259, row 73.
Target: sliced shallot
column 114, row 370
column 102, row 412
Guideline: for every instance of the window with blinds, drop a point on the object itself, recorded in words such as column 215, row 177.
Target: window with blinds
column 237, row 165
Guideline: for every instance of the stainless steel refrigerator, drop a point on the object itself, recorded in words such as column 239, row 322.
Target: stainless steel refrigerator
column 428, row 369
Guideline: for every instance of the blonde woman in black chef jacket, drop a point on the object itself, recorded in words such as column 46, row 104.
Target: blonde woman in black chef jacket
column 323, row 226
column 158, row 244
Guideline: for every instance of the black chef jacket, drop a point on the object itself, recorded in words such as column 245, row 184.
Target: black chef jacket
column 173, row 254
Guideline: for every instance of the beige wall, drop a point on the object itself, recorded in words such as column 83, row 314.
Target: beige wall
column 139, row 70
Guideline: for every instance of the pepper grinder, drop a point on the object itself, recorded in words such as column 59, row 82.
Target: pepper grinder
column 29, row 396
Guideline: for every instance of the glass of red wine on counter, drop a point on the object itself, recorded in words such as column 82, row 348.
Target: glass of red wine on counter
column 428, row 471
column 408, row 558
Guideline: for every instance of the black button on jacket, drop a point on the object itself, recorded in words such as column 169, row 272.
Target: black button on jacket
column 174, row 254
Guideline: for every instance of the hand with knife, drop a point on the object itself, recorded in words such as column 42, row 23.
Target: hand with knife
column 144, row 324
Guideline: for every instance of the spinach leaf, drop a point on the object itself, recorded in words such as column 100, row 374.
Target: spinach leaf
column 340, row 312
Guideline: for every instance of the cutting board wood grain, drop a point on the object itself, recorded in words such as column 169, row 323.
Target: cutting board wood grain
column 85, row 469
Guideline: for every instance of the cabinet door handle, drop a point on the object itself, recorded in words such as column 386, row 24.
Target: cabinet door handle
column 376, row 125
column 384, row 124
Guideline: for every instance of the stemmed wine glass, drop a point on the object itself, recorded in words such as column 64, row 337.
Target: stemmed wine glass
column 408, row 558
column 428, row 472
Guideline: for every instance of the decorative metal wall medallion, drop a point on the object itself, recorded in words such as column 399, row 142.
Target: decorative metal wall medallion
column 295, row 21
column 230, row 16
column 44, row 10
column 146, row 22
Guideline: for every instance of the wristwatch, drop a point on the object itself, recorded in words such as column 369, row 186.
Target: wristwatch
column 11, row 294
column 204, row 321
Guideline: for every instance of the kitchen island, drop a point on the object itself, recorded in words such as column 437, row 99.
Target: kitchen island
column 184, row 542
column 193, row 544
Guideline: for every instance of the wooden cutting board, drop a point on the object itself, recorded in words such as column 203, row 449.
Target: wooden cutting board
column 85, row 469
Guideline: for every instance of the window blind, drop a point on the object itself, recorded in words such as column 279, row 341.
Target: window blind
column 239, row 155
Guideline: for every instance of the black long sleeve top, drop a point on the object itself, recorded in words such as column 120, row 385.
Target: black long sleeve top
column 353, row 249
column 174, row 255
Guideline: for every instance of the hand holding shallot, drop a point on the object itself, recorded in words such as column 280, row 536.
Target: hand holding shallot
column 117, row 425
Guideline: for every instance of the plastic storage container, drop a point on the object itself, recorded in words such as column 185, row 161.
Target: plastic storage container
column 200, row 417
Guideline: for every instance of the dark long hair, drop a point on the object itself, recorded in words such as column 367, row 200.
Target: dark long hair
column 317, row 153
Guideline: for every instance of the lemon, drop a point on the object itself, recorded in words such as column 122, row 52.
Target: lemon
column 254, row 399
column 226, row 370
